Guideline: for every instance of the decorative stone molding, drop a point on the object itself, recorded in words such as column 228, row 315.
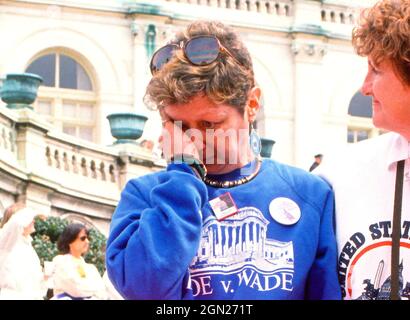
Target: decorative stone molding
column 135, row 28
column 273, row 7
column 165, row 33
column 138, row 32
column 8, row 139
column 308, row 51
column 141, row 31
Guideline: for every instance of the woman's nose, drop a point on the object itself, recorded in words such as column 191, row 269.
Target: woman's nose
column 366, row 88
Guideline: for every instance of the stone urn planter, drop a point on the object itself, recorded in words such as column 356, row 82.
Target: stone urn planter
column 267, row 145
column 126, row 127
column 19, row 90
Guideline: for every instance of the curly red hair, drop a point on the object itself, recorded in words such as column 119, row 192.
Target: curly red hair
column 384, row 33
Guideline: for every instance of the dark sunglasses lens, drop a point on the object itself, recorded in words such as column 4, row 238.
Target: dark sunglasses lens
column 161, row 57
column 202, row 50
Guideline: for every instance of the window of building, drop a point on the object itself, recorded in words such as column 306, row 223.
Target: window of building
column 357, row 134
column 67, row 97
column 360, row 125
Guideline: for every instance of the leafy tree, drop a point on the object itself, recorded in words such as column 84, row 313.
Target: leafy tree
column 96, row 253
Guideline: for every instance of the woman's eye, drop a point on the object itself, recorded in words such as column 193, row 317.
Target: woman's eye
column 208, row 125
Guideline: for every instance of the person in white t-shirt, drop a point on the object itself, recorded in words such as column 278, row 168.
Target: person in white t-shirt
column 73, row 278
column 364, row 176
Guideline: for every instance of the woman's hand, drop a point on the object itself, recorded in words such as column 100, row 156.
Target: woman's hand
column 173, row 141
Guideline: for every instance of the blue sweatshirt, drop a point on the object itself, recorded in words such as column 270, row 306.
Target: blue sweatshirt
column 165, row 241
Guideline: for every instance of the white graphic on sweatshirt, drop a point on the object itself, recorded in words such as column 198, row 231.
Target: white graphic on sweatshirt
column 237, row 248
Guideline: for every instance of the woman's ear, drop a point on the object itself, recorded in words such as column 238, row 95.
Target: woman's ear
column 253, row 105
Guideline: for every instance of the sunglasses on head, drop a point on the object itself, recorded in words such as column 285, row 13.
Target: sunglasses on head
column 199, row 51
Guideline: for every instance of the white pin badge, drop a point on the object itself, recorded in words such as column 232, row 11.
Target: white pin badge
column 284, row 210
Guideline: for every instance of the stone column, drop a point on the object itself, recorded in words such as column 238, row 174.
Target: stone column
column 308, row 102
column 37, row 197
column 141, row 73
column 306, row 12
column 308, row 48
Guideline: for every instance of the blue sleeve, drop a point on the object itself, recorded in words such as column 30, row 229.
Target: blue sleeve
column 323, row 282
column 155, row 234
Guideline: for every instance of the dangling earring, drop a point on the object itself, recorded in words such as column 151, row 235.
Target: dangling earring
column 254, row 141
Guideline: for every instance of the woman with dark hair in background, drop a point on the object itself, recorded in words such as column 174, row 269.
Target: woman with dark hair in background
column 74, row 279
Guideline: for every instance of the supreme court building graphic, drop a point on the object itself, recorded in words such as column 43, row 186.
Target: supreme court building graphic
column 228, row 245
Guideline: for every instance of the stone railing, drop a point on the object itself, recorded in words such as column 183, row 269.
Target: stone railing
column 339, row 14
column 102, row 167
column 278, row 7
column 34, row 153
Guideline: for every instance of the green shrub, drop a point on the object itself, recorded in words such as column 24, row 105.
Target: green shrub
column 96, row 253
column 46, row 236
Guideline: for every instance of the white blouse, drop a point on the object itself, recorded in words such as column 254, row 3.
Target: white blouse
column 77, row 278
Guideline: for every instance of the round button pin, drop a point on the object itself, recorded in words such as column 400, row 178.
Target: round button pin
column 284, row 210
